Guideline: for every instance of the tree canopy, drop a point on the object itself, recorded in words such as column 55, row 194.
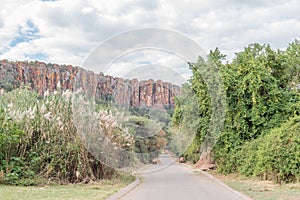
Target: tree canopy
column 260, row 87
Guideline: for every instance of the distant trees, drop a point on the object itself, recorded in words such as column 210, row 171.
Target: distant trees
column 149, row 128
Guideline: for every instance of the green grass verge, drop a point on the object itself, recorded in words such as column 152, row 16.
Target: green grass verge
column 96, row 190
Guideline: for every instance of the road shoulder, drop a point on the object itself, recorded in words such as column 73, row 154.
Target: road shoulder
column 259, row 189
column 125, row 190
column 241, row 195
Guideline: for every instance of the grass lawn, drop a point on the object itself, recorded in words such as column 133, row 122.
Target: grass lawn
column 260, row 190
column 98, row 190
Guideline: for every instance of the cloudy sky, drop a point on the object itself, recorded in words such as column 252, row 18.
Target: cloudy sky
column 68, row 31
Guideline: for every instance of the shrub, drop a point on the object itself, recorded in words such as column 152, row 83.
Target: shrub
column 38, row 136
column 275, row 156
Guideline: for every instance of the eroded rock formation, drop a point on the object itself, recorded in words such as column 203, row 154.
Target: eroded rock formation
column 41, row 77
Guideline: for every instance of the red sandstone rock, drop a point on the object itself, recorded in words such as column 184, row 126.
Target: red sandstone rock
column 42, row 77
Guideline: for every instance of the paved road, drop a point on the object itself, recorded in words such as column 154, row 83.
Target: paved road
column 177, row 182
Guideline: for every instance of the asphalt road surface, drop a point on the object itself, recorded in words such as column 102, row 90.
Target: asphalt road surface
column 169, row 180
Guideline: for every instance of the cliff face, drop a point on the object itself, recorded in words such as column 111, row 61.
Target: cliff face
column 42, row 77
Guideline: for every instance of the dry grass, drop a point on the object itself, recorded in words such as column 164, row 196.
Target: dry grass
column 260, row 190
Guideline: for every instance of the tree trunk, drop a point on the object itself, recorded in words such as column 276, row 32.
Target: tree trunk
column 205, row 162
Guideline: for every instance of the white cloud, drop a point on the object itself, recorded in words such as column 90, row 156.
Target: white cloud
column 153, row 63
column 69, row 30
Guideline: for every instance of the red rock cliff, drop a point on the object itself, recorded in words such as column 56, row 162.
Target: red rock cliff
column 41, row 77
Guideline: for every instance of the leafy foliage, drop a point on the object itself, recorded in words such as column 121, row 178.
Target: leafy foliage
column 256, row 103
column 149, row 136
column 275, row 156
column 38, row 138
column 194, row 108
column 187, row 119
column 261, row 89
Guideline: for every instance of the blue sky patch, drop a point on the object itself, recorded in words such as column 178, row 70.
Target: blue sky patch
column 144, row 63
column 37, row 56
column 26, row 33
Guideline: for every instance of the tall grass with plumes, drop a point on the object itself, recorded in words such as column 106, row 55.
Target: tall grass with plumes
column 38, row 138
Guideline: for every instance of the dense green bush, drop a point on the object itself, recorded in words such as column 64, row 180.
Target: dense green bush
column 41, row 138
column 38, row 138
column 149, row 138
column 256, row 103
column 10, row 135
column 187, row 119
column 261, row 90
column 275, row 156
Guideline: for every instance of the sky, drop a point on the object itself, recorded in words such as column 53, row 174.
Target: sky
column 69, row 31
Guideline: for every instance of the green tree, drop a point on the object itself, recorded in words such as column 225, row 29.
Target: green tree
column 261, row 89
column 292, row 64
